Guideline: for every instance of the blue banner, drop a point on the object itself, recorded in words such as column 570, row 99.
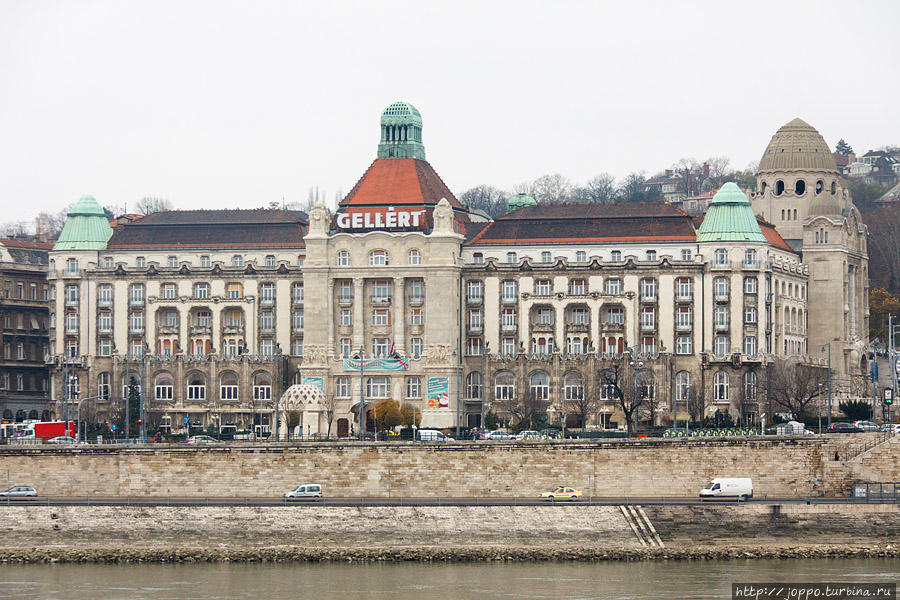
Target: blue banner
column 318, row 382
column 376, row 364
column 438, row 392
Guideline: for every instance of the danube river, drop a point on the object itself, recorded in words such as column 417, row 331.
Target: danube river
column 614, row 580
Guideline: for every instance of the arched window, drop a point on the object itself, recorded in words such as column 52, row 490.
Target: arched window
column 196, row 387
column 684, row 383
column 540, row 386
column 820, row 185
column 779, row 187
column 103, row 386
column 378, row 258
column 415, row 257
column 228, row 386
column 343, row 258
column 721, row 257
column 833, row 188
column 504, row 386
column 800, row 187
column 763, row 188
column 473, row 385
column 262, row 386
column 720, row 387
column 573, row 386
column 163, row 387
column 750, row 383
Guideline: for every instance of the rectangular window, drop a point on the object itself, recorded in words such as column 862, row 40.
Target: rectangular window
column 378, row 387
column 72, row 266
column 343, row 258
column 616, row 256
column 234, row 291
column 173, row 262
column 297, row 293
column 750, row 315
column 509, row 291
column 228, row 392
column 474, row 291
column 511, row 257
column 543, row 287
column 296, row 320
column 651, row 254
column 648, row 345
column 346, row 347
column 168, row 291
column 104, row 294
column 721, row 317
column 267, row 320
column 508, row 346
column 416, row 317
column 684, row 317
column 615, row 316
column 580, row 256
column 345, row 291
column 684, row 345
column 270, row 260
column 104, row 321
column 71, row 322
column 267, row 348
column 141, row 262
column 267, row 293
column 201, row 291
column 136, row 321
column 478, row 258
column 136, row 293
column 580, row 316
column 648, row 290
column 613, row 287
column 546, row 257
column 108, row 262
column 749, row 285
column 413, row 387
column 416, row 290
column 473, row 346
column 104, row 347
column 578, row 287
column 297, row 347
column 346, row 318
column 684, row 289
column 544, row 316
column 416, row 347
column 722, row 346
column 509, row 319
column 475, row 320
column 750, row 345
column 204, row 260
column 686, row 254
column 381, row 316
column 342, row 387
column 237, row 260
column 72, row 295
column 380, row 347
column 648, row 317
column 381, row 291
column 720, row 288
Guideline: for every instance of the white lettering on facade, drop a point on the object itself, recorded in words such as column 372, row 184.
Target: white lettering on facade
column 380, row 220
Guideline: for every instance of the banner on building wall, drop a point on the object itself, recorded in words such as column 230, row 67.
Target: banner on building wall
column 438, row 392
column 376, row 364
column 318, row 382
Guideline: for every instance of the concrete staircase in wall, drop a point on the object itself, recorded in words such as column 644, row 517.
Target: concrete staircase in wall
column 878, row 463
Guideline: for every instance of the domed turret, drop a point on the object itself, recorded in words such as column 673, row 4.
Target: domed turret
column 401, row 132
column 825, row 205
column 518, row 201
column 86, row 228
column 797, row 146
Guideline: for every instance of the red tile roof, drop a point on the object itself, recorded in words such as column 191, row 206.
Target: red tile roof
column 258, row 228
column 597, row 223
column 400, row 182
column 772, row 236
column 29, row 244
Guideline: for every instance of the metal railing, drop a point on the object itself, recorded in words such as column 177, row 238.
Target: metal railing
column 876, row 493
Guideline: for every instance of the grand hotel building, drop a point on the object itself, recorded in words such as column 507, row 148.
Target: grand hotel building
column 217, row 313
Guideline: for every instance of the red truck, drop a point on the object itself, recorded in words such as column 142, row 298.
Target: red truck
column 51, row 429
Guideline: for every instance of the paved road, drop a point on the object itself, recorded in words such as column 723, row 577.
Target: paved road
column 162, row 501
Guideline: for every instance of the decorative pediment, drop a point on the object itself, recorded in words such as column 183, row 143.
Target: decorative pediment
column 184, row 270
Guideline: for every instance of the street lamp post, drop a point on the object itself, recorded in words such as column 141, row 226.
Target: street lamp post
column 828, row 408
column 362, row 393
column 78, row 416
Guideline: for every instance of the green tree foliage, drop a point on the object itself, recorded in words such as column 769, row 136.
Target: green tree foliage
column 491, row 420
column 857, row 410
column 410, row 415
column 134, row 405
column 881, row 304
column 843, row 148
column 387, row 414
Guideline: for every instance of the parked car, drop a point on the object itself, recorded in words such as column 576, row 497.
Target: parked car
column 19, row 491
column 432, row 435
column 550, row 434
column 202, row 439
column 866, row 425
column 739, row 488
column 499, row 435
column 891, row 427
column 529, row 435
column 307, row 491
column 844, row 428
column 562, row 493
column 62, row 439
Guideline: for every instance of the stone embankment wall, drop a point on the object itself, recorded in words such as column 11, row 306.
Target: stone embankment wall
column 648, row 468
column 554, row 526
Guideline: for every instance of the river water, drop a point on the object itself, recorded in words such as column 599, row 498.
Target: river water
column 614, row 580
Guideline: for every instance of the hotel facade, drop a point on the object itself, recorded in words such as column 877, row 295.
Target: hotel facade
column 233, row 319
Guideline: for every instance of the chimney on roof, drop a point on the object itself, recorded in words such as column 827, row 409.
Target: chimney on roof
column 705, row 170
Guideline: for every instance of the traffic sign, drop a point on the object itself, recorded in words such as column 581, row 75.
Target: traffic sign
column 113, row 427
column 185, row 420
column 888, row 396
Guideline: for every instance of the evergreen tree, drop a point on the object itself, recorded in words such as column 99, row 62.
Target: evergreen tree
column 843, row 148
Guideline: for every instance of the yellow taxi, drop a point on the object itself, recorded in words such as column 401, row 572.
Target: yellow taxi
column 562, row 493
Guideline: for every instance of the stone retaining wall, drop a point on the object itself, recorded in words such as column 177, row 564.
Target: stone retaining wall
column 649, row 468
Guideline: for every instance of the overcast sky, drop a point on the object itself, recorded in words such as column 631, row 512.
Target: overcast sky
column 237, row 104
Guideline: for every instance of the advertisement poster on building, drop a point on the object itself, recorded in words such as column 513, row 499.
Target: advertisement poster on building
column 318, row 382
column 438, row 392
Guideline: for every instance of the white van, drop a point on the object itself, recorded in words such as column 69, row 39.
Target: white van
column 432, row 435
column 740, row 488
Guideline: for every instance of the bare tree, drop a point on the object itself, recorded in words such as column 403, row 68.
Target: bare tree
column 884, row 246
column 525, row 409
column 601, row 188
column 583, row 406
column 686, row 172
column 487, row 198
column 552, row 189
column 629, row 399
column 795, row 385
column 49, row 225
column 151, row 204
column 719, row 166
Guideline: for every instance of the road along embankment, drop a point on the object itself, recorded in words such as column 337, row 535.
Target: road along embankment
column 792, row 467
column 556, row 532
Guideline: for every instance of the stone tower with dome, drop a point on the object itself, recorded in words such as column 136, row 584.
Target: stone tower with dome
column 799, row 189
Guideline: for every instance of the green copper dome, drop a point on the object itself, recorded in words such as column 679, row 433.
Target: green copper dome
column 401, row 132
column 86, row 228
column 730, row 218
column 518, row 201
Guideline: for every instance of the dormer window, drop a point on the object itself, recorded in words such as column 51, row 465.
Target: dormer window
column 378, row 258
column 237, row 260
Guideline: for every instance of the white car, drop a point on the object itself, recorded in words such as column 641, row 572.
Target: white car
column 499, row 435
column 307, row 491
column 62, row 439
column 891, row 427
column 19, row 491
column 529, row 435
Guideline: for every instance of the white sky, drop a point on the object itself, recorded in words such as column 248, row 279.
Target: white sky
column 236, row 104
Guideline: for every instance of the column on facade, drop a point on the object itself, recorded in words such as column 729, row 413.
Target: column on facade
column 251, row 325
column 399, row 321
column 150, row 327
column 184, row 322
column 559, row 323
column 359, row 320
column 216, row 330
